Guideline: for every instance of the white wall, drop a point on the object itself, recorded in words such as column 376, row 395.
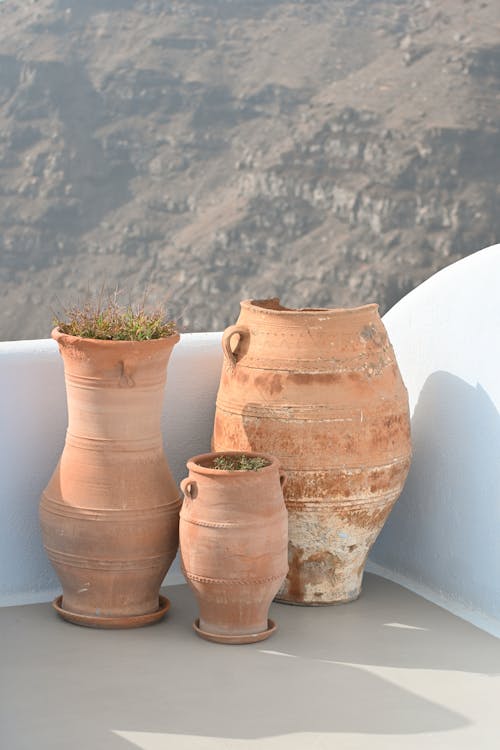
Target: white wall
column 442, row 539
column 33, row 424
column 443, row 536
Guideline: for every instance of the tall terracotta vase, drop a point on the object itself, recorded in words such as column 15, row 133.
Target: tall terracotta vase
column 320, row 390
column 109, row 514
column 233, row 539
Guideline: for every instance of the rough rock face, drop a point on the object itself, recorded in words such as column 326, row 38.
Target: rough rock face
column 329, row 153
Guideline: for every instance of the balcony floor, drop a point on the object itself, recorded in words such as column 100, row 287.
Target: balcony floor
column 390, row 671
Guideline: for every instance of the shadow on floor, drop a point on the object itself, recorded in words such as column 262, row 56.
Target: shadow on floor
column 64, row 686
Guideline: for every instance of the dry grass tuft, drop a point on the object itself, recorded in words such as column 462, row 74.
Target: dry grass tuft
column 108, row 319
column 239, row 463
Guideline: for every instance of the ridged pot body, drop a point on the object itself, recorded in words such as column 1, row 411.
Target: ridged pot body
column 233, row 543
column 109, row 514
column 320, row 390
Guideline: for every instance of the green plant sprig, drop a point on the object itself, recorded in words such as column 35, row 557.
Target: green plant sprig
column 239, row 463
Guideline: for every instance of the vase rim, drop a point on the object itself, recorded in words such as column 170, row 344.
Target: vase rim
column 194, row 463
column 272, row 306
column 61, row 337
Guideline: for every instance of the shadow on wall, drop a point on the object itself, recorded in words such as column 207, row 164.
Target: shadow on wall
column 443, row 532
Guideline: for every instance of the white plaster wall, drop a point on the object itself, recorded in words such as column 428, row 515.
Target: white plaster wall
column 443, row 536
column 33, row 423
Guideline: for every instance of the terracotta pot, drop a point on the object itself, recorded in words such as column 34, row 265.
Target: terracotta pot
column 109, row 514
column 320, row 390
column 233, row 542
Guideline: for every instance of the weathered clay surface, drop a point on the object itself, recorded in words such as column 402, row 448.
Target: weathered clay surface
column 233, row 541
column 320, row 390
column 109, row 514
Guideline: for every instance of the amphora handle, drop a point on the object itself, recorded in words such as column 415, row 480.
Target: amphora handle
column 189, row 488
column 283, row 478
column 228, row 334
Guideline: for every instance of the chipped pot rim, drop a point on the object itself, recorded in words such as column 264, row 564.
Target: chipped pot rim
column 278, row 309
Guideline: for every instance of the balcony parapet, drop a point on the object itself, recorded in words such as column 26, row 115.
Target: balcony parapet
column 441, row 539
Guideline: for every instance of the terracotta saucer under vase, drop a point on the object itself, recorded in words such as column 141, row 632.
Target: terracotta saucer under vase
column 235, row 639
column 131, row 621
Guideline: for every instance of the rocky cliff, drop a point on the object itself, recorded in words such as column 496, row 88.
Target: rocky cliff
column 331, row 153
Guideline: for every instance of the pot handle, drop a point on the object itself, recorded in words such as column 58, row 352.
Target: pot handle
column 189, row 488
column 226, row 343
column 283, row 478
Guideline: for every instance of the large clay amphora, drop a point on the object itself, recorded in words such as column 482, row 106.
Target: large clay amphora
column 320, row 390
column 110, row 512
column 233, row 539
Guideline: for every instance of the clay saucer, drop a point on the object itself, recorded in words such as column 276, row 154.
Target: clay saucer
column 235, row 639
column 129, row 621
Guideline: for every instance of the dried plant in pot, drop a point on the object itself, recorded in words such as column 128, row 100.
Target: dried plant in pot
column 233, row 542
column 109, row 514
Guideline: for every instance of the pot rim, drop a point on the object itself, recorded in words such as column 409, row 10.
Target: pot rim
column 257, row 304
column 193, row 465
column 68, row 338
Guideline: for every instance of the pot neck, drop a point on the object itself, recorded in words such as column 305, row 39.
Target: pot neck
column 272, row 308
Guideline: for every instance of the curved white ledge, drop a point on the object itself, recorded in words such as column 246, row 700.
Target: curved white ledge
column 442, row 537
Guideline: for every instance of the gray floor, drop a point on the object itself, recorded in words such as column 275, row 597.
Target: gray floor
column 388, row 671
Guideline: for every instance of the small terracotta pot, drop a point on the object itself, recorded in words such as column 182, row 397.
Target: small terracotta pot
column 233, row 541
column 109, row 514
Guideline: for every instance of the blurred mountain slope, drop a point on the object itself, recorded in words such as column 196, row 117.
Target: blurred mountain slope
column 332, row 153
